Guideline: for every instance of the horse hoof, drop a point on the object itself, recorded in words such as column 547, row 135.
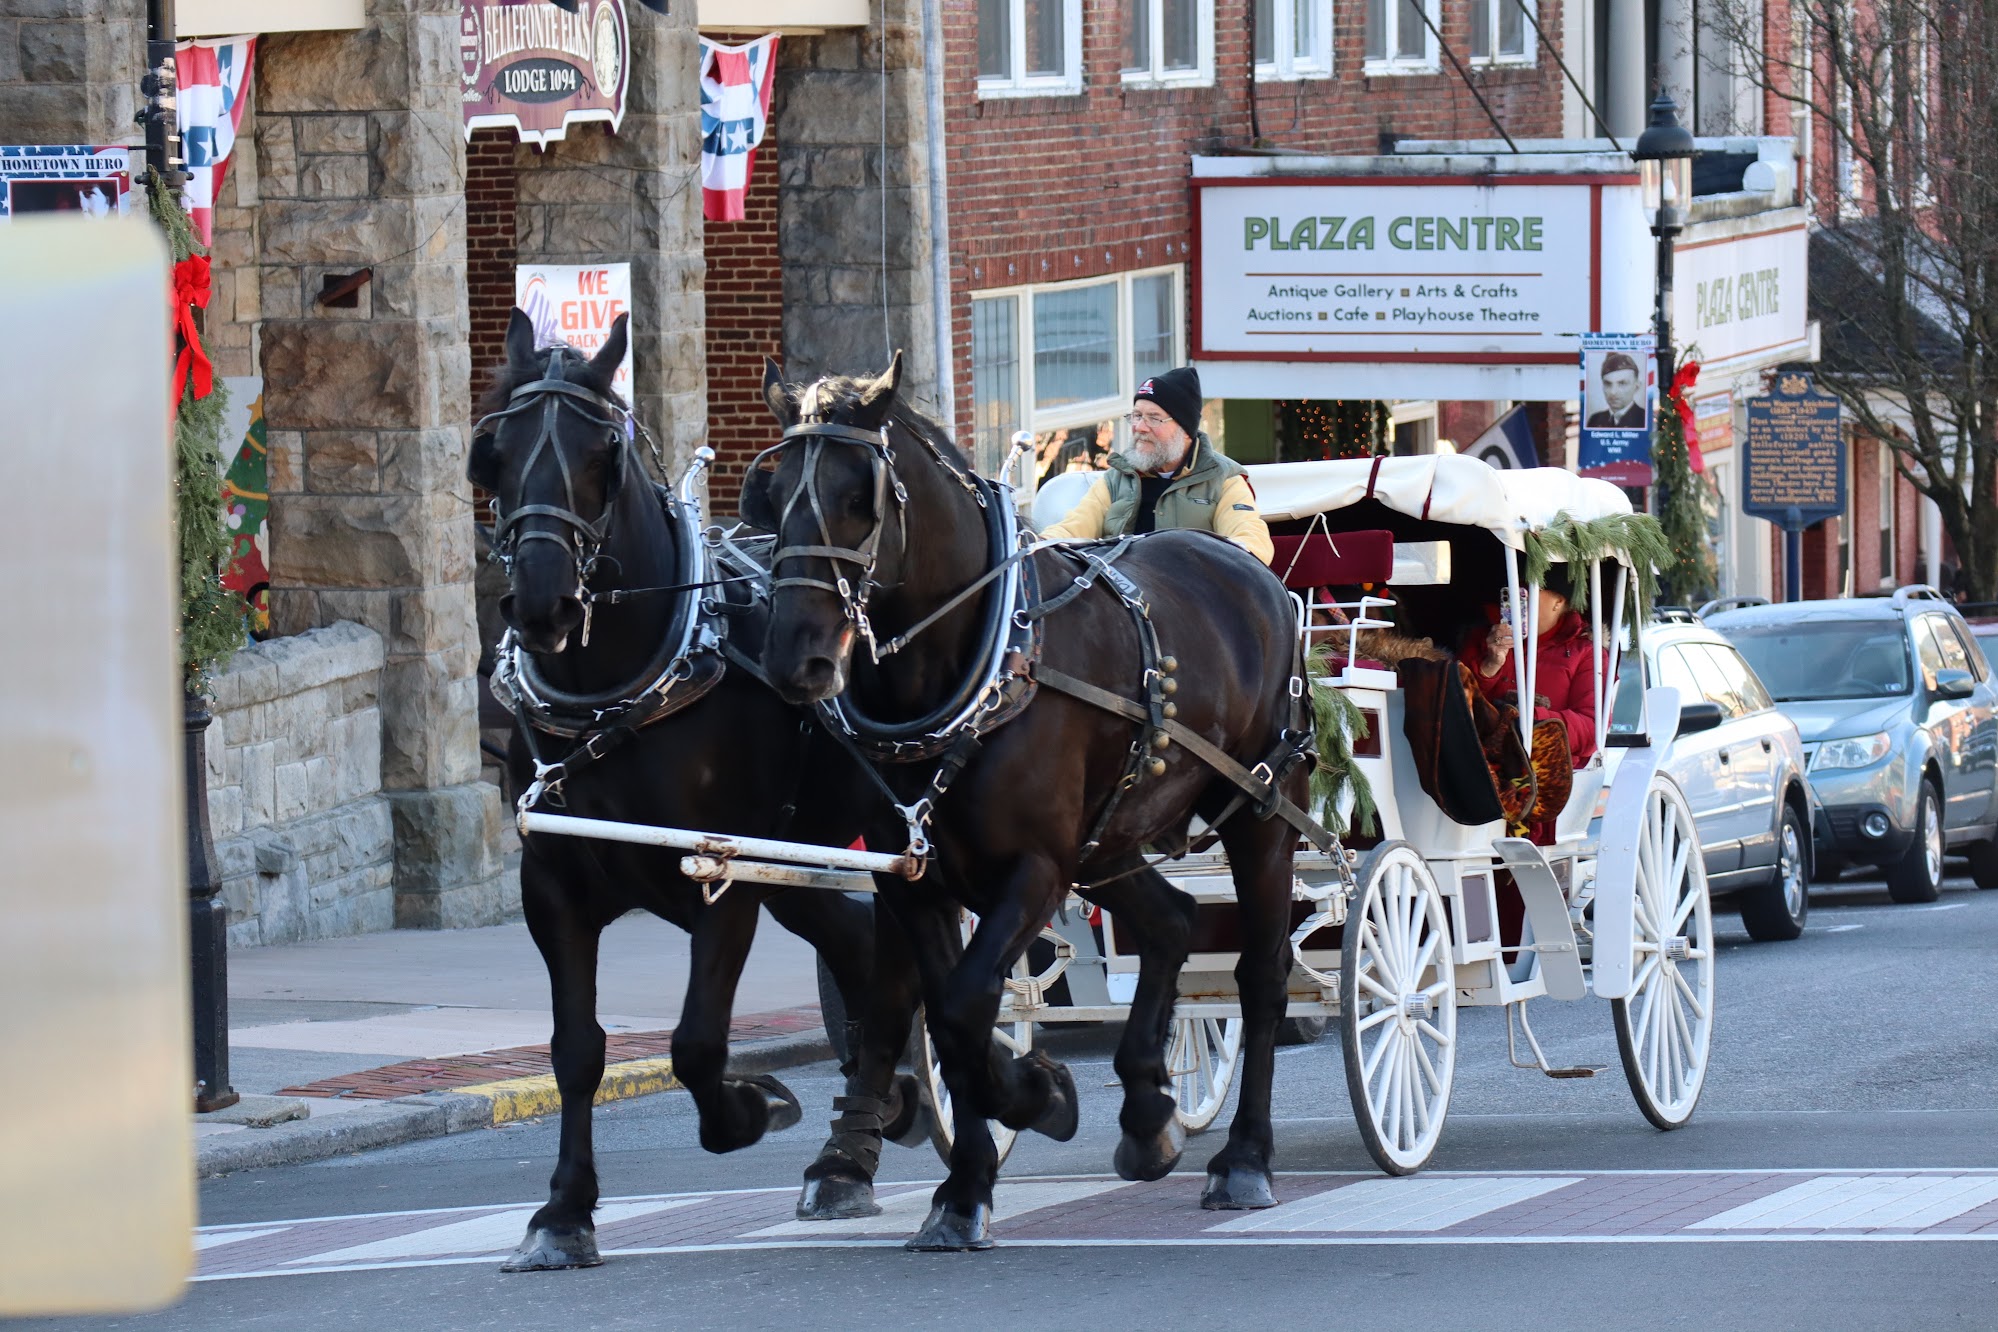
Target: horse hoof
column 953, row 1232
column 777, row 1099
column 911, row 1125
column 1150, row 1158
column 1063, row 1114
column 837, row 1199
column 545, row 1251
column 1238, row 1190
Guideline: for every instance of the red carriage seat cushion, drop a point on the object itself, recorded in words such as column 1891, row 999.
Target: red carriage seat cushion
column 1342, row 559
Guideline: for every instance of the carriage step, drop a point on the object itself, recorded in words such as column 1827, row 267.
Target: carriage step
column 1539, row 1060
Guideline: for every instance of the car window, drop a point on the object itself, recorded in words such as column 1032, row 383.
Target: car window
column 1741, row 681
column 1714, row 685
column 1829, row 658
column 1674, row 670
column 1929, row 650
column 1957, row 654
column 1986, row 636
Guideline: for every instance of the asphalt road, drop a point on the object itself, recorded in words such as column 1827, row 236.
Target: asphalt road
column 1870, row 1044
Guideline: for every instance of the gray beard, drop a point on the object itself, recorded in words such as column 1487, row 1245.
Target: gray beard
column 1150, row 455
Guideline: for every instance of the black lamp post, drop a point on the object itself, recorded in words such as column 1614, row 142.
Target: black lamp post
column 207, row 914
column 1664, row 155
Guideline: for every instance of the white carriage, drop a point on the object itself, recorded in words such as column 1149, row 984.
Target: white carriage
column 1614, row 905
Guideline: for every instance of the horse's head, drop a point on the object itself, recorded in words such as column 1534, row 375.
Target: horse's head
column 552, row 449
column 829, row 492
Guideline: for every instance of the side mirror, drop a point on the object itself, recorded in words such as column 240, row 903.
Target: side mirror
column 1954, row 684
column 1702, row 716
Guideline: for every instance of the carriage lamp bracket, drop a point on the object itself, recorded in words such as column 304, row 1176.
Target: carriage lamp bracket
column 1539, row 1060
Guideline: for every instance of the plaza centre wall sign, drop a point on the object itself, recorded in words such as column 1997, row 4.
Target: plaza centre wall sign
column 538, row 69
column 1409, row 269
column 1739, row 290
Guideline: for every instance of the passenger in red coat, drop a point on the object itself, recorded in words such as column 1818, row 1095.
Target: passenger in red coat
column 1566, row 666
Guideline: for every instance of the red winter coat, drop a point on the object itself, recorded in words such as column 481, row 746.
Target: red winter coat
column 1565, row 675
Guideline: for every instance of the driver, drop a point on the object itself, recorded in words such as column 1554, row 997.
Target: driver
column 1172, row 476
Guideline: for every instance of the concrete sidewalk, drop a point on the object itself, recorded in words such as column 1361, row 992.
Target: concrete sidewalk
column 349, row 1043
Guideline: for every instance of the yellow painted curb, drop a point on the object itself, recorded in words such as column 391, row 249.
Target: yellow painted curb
column 532, row 1097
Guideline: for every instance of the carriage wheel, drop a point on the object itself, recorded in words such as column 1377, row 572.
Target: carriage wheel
column 1398, row 1008
column 1015, row 1038
column 1665, row 1027
column 1201, row 1055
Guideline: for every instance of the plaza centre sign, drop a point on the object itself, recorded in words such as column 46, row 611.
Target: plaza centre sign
column 1414, row 268
column 1739, row 290
column 534, row 67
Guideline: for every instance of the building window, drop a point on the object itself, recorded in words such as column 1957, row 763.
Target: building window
column 1169, row 41
column 995, row 377
column 1886, row 458
column 1398, row 36
column 1063, row 360
column 1500, row 34
column 1029, row 47
column 1293, row 39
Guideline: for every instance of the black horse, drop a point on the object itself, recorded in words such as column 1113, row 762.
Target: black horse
column 881, row 526
column 601, row 666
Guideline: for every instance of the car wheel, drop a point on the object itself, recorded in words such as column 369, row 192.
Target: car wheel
column 1917, row 876
column 1983, row 863
column 1776, row 910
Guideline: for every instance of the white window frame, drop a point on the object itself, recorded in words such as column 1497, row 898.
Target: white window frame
column 1073, row 414
column 1156, row 75
column 1288, row 65
column 1431, row 60
column 1021, row 84
column 1527, row 57
column 1887, row 516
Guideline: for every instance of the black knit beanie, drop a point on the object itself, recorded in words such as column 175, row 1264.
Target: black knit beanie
column 1178, row 392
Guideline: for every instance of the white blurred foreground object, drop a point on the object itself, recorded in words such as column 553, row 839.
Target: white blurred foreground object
column 96, row 1168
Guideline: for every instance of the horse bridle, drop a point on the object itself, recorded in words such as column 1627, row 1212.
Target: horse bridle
column 580, row 538
column 757, row 508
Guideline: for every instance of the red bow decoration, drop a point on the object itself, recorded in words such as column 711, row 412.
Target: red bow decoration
column 1683, row 380
column 191, row 287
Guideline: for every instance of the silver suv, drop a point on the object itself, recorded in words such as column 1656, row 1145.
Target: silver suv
column 1740, row 763
column 1900, row 718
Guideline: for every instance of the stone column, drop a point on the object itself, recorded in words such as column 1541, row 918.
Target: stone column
column 362, row 164
column 635, row 197
column 853, row 216
column 69, row 70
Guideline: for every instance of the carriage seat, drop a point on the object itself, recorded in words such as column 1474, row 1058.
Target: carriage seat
column 1321, row 559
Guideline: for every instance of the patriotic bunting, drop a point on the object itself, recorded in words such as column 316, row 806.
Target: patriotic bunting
column 214, row 80
column 735, row 110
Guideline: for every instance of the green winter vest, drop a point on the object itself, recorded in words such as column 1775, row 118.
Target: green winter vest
column 1190, row 501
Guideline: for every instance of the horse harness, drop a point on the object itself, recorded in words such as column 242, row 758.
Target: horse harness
column 1009, row 668
column 688, row 662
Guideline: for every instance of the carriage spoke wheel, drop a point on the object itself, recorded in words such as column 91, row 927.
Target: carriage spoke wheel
column 1398, row 1008
column 1664, row 1028
column 1014, row 1038
column 1201, row 1055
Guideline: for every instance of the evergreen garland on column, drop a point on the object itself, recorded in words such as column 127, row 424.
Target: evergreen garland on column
column 1688, row 579
column 211, row 620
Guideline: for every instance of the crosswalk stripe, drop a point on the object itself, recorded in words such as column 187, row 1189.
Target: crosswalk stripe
column 902, row 1213
column 1860, row 1202
column 495, row 1233
column 1391, row 1205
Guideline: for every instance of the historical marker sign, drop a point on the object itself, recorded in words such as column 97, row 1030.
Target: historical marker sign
column 535, row 67
column 1793, row 460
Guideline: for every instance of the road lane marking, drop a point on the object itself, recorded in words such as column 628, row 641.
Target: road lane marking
column 496, row 1233
column 212, row 1239
column 1865, row 1202
column 901, row 1214
column 1377, row 1205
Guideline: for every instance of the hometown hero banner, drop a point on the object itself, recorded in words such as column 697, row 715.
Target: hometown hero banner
column 1435, row 271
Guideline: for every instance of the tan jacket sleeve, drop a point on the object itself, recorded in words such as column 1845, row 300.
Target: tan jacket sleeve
column 1236, row 517
column 1085, row 520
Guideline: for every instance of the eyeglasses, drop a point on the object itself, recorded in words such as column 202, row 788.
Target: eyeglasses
column 1136, row 419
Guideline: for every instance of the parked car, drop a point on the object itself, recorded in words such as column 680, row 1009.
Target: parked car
column 1982, row 617
column 1899, row 715
column 1741, row 765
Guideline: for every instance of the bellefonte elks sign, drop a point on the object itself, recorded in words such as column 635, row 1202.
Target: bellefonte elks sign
column 539, row 69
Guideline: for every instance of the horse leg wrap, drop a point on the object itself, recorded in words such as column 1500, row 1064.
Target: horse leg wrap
column 856, row 1134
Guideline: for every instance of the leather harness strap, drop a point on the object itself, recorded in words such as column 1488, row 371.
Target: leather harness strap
column 1263, row 793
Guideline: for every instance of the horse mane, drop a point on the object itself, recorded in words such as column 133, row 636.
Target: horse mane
column 848, row 392
column 506, row 377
